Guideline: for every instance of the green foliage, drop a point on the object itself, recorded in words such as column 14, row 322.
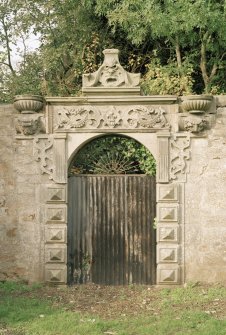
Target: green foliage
column 195, row 30
column 113, row 154
column 167, row 79
column 190, row 37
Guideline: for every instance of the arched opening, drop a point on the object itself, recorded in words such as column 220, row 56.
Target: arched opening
column 111, row 235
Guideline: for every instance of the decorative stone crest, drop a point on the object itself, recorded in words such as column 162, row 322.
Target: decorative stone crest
column 138, row 117
column 111, row 73
column 43, row 154
column 29, row 125
column 179, row 155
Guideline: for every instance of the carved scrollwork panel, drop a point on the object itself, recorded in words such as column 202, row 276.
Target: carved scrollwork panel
column 43, row 154
column 141, row 116
column 110, row 117
column 179, row 155
column 69, row 118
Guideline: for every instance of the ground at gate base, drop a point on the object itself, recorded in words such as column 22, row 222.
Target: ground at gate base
column 113, row 310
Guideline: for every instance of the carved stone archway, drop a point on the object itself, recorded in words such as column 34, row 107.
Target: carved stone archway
column 111, row 103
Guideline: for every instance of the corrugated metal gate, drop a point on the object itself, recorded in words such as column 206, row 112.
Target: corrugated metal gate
column 111, row 239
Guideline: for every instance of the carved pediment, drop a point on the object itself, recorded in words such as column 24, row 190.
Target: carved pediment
column 110, row 75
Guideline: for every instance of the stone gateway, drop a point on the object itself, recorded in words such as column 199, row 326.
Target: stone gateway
column 40, row 137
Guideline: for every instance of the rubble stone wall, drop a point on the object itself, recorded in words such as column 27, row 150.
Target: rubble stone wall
column 205, row 206
column 33, row 222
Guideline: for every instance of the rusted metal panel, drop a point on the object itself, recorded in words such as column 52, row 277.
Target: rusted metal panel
column 111, row 236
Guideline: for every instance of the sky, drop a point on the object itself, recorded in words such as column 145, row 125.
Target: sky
column 32, row 43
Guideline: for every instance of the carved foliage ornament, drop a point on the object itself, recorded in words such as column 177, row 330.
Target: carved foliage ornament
column 113, row 117
column 43, row 154
column 179, row 155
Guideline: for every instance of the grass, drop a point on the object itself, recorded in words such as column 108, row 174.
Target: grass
column 26, row 310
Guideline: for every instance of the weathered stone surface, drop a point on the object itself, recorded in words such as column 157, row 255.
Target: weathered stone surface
column 205, row 220
column 191, row 190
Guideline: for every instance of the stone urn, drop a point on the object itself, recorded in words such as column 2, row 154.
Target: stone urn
column 28, row 104
column 196, row 104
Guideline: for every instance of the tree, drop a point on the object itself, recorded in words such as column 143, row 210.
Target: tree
column 14, row 26
column 179, row 46
column 195, row 31
column 72, row 40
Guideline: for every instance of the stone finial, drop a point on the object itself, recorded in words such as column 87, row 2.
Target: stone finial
column 111, row 74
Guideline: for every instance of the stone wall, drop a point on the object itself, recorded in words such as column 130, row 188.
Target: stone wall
column 205, row 212
column 27, row 214
column 21, row 230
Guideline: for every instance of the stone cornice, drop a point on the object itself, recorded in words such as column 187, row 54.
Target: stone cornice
column 122, row 99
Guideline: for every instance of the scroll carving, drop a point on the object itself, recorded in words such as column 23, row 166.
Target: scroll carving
column 147, row 117
column 86, row 117
column 72, row 118
column 180, row 154
column 43, row 154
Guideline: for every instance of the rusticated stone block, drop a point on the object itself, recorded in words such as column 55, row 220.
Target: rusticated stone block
column 55, row 234
column 55, row 254
column 56, row 273
column 168, row 274
column 56, row 194
column 56, row 214
column 167, row 254
column 167, row 193
column 167, row 213
column 167, row 234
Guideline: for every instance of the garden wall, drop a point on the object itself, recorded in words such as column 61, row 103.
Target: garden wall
column 186, row 135
column 22, row 202
column 205, row 209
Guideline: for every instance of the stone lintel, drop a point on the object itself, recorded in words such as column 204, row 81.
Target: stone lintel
column 116, row 130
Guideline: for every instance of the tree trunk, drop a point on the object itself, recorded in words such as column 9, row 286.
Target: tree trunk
column 178, row 52
column 207, row 78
